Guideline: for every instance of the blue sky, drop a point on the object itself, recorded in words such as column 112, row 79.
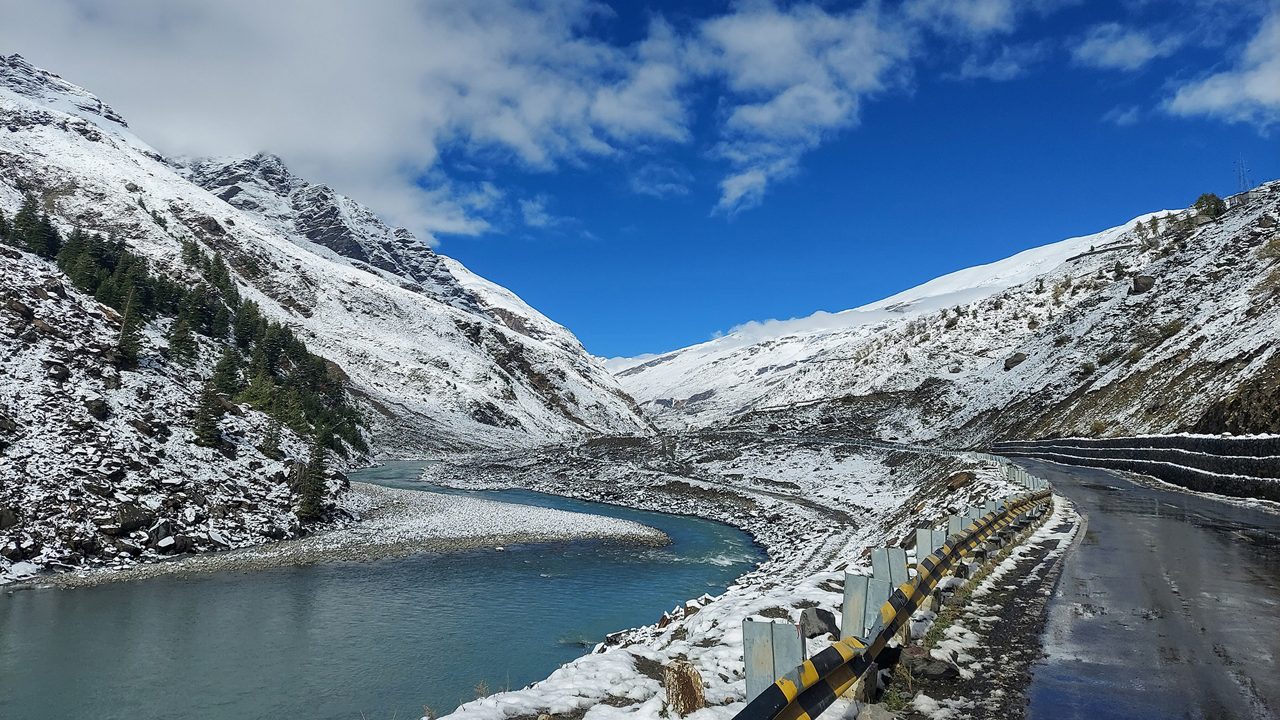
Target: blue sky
column 651, row 174
column 937, row 176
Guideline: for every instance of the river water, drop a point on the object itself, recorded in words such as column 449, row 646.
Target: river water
column 349, row 641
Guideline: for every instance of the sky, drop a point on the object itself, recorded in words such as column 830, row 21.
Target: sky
column 654, row 174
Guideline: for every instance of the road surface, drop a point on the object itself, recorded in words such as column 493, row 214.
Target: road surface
column 1168, row 606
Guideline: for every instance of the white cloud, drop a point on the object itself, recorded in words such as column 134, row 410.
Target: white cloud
column 793, row 77
column 971, row 17
column 977, row 19
column 1112, row 46
column 1249, row 92
column 1010, row 63
column 661, row 179
column 1123, row 115
column 388, row 101
column 366, row 96
column 535, row 214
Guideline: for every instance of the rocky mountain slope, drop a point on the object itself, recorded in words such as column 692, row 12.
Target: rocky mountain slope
column 441, row 357
column 1122, row 331
column 98, row 467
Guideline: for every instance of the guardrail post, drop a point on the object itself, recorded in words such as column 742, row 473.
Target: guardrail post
column 880, row 563
column 770, row 651
column 924, row 543
column 878, row 591
column 940, row 537
column 897, row 567
column 853, row 614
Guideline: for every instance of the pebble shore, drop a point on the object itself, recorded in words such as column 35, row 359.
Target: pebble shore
column 393, row 523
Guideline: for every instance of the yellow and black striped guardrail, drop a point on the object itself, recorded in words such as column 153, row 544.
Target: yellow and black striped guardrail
column 829, row 674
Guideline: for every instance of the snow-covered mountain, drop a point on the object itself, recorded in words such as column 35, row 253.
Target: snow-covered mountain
column 1114, row 330
column 442, row 357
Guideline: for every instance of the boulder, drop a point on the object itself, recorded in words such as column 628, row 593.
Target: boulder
column 936, row 670
column 8, row 518
column 684, row 688
column 97, row 407
column 126, row 547
column 1266, row 221
column 960, row 479
column 142, row 426
column 21, row 310
column 126, row 518
column 11, row 551
column 1014, row 360
column 816, row 622
column 57, row 372
column 1141, row 284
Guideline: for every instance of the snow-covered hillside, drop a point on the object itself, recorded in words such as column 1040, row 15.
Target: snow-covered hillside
column 1116, row 330
column 442, row 357
column 97, row 466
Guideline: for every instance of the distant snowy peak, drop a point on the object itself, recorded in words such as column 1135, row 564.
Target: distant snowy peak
column 25, row 79
column 954, row 289
column 981, row 281
column 335, row 226
column 263, row 186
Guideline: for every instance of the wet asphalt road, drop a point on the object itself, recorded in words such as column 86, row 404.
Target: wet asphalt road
column 1168, row 606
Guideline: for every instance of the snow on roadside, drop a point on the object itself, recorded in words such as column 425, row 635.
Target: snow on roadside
column 815, row 507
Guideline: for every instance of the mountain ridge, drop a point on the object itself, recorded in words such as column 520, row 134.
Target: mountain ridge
column 452, row 362
column 870, row 356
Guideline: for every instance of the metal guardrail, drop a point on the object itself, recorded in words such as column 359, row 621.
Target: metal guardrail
column 812, row 687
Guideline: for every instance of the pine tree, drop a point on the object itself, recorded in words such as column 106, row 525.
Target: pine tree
column 208, row 412
column 260, row 392
column 226, row 374
column 129, row 343
column 245, row 329
column 220, row 324
column 311, row 505
column 191, row 254
column 182, row 344
column 271, row 440
column 47, row 241
column 1211, row 205
column 26, row 224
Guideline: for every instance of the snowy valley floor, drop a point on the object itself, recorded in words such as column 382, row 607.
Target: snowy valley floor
column 393, row 523
column 816, row 506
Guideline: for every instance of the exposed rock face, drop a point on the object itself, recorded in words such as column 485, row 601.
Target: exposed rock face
column 1014, row 360
column 262, row 186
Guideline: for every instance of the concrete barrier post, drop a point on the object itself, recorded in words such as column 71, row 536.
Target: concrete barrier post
column 954, row 525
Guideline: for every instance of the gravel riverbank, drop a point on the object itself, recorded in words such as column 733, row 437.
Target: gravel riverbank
column 393, row 523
